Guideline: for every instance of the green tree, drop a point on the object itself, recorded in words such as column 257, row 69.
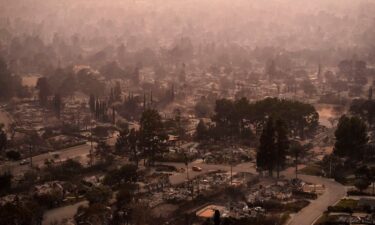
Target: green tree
column 351, row 138
column 44, row 90
column 152, row 134
column 6, row 90
column 117, row 91
column 243, row 110
column 362, row 184
column 103, row 152
column 93, row 214
column 372, row 177
column 266, row 151
column 5, row 181
column 133, row 139
column 271, row 70
column 3, row 138
column 282, row 145
column 202, row 108
column 295, row 151
column 125, row 195
column 21, row 213
column 122, row 142
column 216, row 218
column 57, row 104
column 201, row 131
column 67, row 170
column 226, row 118
column 179, row 128
column 13, row 155
column 127, row 174
column 127, row 142
column 365, row 109
column 92, row 102
column 9, row 84
column 308, row 87
column 99, row 194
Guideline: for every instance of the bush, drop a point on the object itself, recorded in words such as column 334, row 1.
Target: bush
column 67, row 170
column 126, row 174
column 356, row 193
column 345, row 205
column 99, row 194
column 270, row 205
column 165, row 168
column 362, row 184
column 5, row 181
column 13, row 155
column 302, row 194
column 339, row 209
column 297, row 205
column 49, row 200
column 312, row 169
column 351, row 203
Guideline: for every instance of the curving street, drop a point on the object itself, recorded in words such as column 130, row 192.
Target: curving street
column 333, row 193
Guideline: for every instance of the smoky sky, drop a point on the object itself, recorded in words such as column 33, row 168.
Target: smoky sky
column 292, row 24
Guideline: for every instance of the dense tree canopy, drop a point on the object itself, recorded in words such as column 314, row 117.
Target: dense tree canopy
column 10, row 85
column 152, row 135
column 282, row 144
column 126, row 174
column 99, row 194
column 266, row 151
column 365, row 109
column 44, row 90
column 237, row 117
column 127, row 143
column 351, row 138
column 21, row 213
column 273, row 146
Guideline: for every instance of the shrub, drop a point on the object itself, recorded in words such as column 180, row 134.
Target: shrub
column 303, row 194
column 297, row 205
column 13, row 155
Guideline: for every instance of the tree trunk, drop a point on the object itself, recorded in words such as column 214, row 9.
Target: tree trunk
column 270, row 173
column 135, row 156
column 278, row 172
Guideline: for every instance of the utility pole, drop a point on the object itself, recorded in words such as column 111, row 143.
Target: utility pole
column 31, row 157
column 296, row 162
column 330, row 166
column 231, row 167
column 91, row 147
column 187, row 166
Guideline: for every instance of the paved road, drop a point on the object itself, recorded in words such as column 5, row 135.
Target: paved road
column 79, row 151
column 333, row 193
column 178, row 178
